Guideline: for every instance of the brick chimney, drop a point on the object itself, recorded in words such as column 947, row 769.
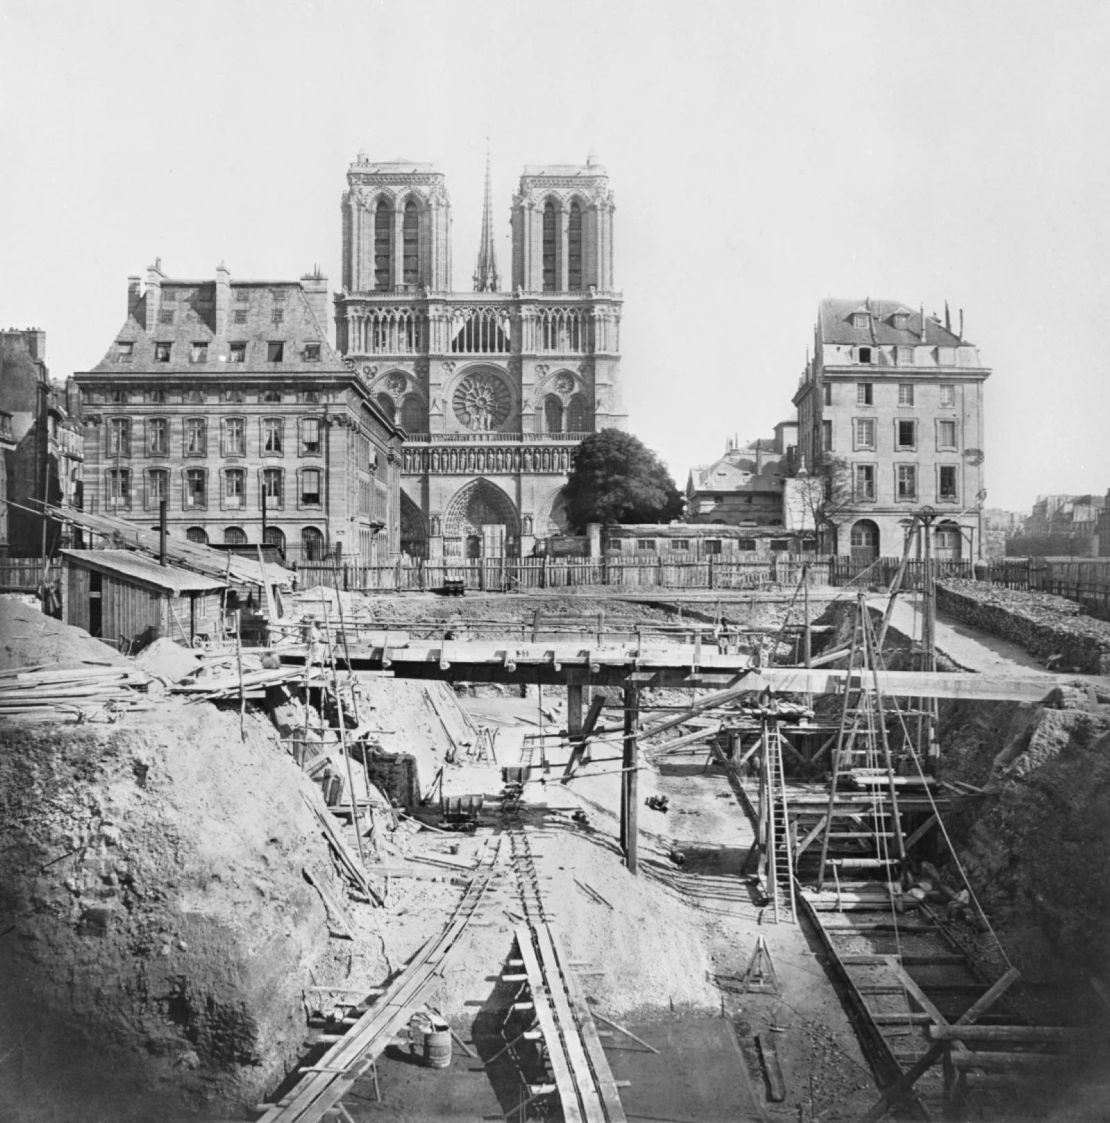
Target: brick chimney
column 315, row 288
column 223, row 299
column 134, row 295
column 154, row 279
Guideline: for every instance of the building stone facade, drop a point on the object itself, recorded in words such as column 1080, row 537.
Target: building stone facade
column 494, row 389
column 890, row 412
column 41, row 442
column 225, row 399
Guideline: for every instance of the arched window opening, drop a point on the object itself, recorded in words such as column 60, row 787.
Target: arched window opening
column 410, row 237
column 276, row 538
column 552, row 414
column 412, row 415
column 387, row 406
column 312, row 544
column 550, row 277
column 577, row 415
column 865, row 540
column 574, row 248
column 383, row 259
column 197, row 534
column 235, row 536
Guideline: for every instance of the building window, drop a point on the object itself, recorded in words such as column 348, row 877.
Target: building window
column 235, row 486
column 162, row 352
column 747, row 545
column 946, row 434
column 271, row 396
column 119, row 488
column 165, row 316
column 196, row 436
column 864, row 393
column 275, row 352
column 905, row 482
column 946, row 482
column 905, row 393
column 904, row 356
column 864, row 432
column 680, row 544
column 312, row 544
column 645, row 543
column 412, row 415
column 197, row 534
column 272, row 536
column 574, row 248
column 234, row 397
column 120, row 397
column 240, row 316
column 383, row 257
column 198, row 353
column 157, row 436
column 312, row 352
column 238, row 353
column 712, row 546
column 550, row 281
column 905, row 436
column 780, row 545
column 826, row 436
column 276, row 317
column 864, row 482
column 125, row 352
column 947, row 395
column 864, row 355
column 235, row 437
column 859, row 320
column 310, row 487
column 410, row 231
column 194, row 397
column 273, row 487
column 235, row 536
column 277, row 295
column 827, row 390
column 312, row 397
column 310, row 436
column 273, row 443
column 157, row 486
column 157, row 397
column 196, row 487
column 119, row 436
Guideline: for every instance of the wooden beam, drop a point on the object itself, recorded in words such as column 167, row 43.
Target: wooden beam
column 629, row 797
column 1007, row 1062
column 984, row 1035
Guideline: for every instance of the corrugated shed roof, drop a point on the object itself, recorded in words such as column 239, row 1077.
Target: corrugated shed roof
column 137, row 567
column 835, row 324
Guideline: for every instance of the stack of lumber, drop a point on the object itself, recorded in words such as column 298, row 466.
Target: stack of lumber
column 230, row 684
column 85, row 693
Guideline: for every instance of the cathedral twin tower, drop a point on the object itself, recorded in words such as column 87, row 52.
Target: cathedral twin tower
column 494, row 388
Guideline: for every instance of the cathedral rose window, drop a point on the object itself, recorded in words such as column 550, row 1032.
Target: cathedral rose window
column 481, row 402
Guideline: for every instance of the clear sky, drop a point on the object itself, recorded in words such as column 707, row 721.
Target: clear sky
column 763, row 155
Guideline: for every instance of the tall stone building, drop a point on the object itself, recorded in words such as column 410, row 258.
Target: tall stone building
column 225, row 399
column 890, row 412
column 495, row 387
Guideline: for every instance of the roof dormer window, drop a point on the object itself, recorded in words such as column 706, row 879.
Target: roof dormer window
column 901, row 321
column 861, row 320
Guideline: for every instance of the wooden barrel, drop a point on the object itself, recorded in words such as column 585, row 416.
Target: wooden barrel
column 437, row 1046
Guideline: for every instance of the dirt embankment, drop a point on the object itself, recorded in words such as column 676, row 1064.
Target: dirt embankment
column 1035, row 844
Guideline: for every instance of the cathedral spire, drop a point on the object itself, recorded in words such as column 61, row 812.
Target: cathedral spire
column 485, row 273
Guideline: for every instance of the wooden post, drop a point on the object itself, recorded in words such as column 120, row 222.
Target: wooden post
column 629, row 797
column 574, row 710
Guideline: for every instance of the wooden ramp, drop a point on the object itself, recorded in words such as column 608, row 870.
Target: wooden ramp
column 583, row 1080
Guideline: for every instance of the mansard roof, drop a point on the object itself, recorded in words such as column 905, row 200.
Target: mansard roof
column 835, row 324
column 193, row 307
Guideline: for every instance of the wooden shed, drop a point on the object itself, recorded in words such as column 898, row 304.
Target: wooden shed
column 118, row 594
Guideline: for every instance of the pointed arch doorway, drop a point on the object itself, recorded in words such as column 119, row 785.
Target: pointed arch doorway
column 481, row 522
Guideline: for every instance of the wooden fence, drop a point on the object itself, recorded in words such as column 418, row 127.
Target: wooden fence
column 517, row 574
column 1085, row 580
column 24, row 575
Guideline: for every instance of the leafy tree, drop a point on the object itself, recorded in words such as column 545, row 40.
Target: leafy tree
column 617, row 479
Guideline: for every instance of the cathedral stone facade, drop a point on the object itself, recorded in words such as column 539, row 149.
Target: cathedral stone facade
column 494, row 388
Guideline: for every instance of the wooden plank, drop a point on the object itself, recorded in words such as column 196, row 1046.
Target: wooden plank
column 1008, row 1062
column 571, row 1031
column 545, row 1015
column 603, row 1075
column 776, row 1082
column 982, row 1035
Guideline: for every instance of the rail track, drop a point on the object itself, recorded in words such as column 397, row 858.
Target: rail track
column 553, row 1006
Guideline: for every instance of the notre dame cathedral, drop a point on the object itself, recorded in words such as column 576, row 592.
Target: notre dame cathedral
column 494, row 387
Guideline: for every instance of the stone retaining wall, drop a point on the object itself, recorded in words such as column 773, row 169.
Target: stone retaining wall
column 1050, row 627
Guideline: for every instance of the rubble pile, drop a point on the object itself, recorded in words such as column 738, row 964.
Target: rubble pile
column 1050, row 627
